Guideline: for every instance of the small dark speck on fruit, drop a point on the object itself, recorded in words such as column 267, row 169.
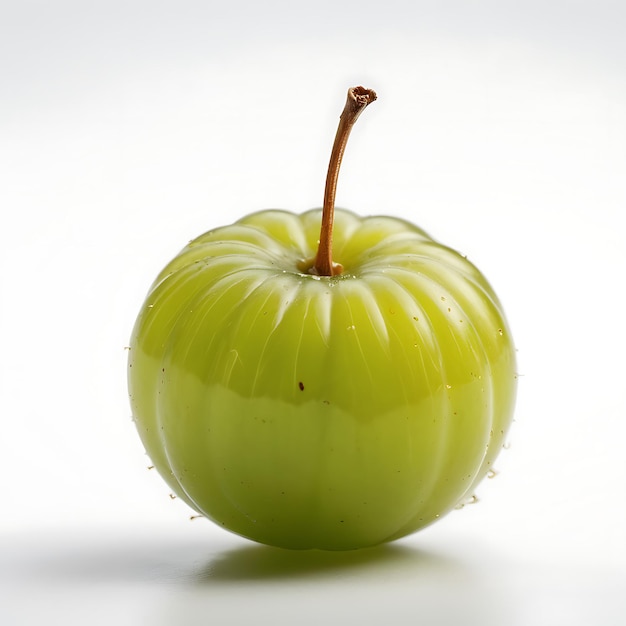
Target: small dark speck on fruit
column 150, row 467
column 301, row 386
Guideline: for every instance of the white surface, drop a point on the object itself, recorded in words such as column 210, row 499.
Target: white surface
column 129, row 128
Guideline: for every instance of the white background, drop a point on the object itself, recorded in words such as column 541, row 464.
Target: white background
column 127, row 128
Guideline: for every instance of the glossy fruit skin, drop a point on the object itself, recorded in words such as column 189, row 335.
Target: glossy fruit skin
column 321, row 412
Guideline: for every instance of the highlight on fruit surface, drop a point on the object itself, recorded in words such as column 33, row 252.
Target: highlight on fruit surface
column 322, row 380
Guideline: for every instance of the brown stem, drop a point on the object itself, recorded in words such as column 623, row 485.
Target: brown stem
column 358, row 99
